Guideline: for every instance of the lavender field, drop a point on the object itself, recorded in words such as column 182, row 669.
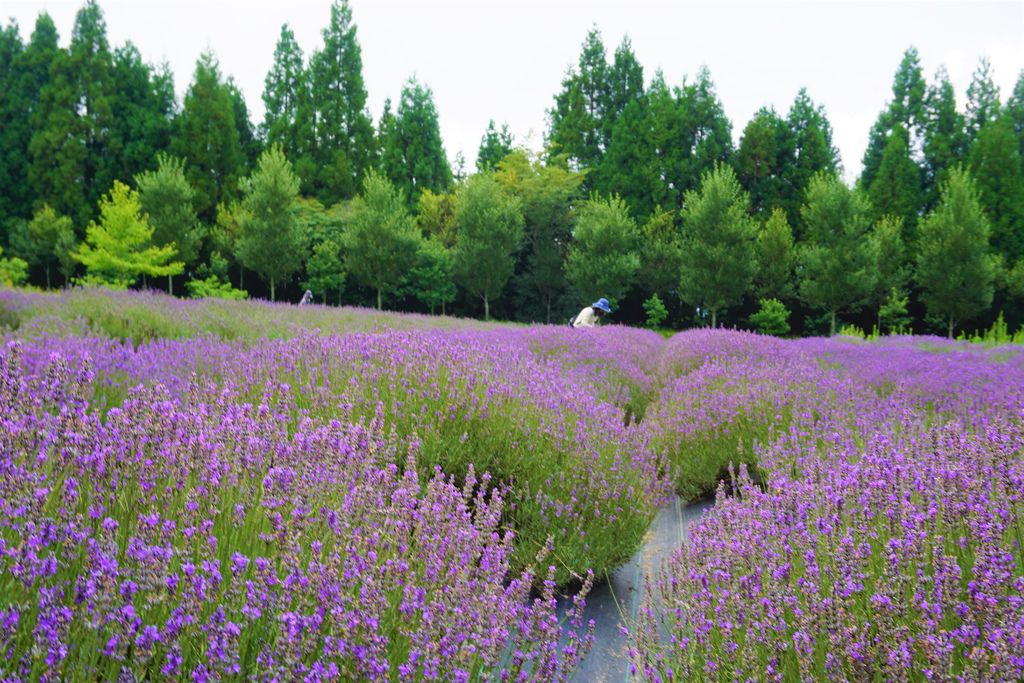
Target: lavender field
column 236, row 491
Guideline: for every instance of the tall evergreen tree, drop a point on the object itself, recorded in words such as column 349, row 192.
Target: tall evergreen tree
column 762, row 160
column 718, row 245
column 288, row 113
column 206, row 137
column 661, row 255
column 413, row 153
column 813, row 152
column 1015, row 110
column 627, row 168
column 624, row 83
column 495, row 145
column 944, row 137
column 576, row 122
column 345, row 145
column 143, row 103
column 891, row 267
column 272, row 242
column 248, row 141
column 906, row 110
column 837, row 262
column 998, row 174
column 955, row 269
column 166, row 197
column 982, row 100
column 896, row 188
column 15, row 198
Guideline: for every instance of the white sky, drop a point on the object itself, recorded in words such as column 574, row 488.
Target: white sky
column 505, row 59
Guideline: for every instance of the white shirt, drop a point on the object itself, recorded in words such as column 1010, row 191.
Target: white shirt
column 586, row 318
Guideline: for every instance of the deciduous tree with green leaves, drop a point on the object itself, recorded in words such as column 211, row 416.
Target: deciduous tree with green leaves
column 430, row 278
column 891, row 262
column 166, row 197
column 489, row 231
column 325, row 271
column 46, row 232
column 118, row 249
column 836, row 258
column 272, row 242
column 718, row 246
column 955, row 269
column 381, row 239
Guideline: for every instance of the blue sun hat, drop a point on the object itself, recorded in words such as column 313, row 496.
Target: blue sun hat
column 602, row 303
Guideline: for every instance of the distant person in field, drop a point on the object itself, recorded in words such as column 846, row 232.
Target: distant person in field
column 591, row 315
column 307, row 298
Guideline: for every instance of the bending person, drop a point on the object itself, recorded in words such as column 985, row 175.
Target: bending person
column 591, row 315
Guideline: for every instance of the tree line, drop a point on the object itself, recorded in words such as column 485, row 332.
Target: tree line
column 640, row 194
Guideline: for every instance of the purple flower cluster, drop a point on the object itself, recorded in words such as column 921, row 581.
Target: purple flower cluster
column 215, row 531
column 886, row 541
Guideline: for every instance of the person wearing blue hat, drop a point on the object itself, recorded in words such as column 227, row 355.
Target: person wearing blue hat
column 591, row 315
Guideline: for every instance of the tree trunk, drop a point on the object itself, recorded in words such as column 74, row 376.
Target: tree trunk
column 170, row 285
column 241, row 277
column 443, row 308
column 832, row 325
column 379, row 298
column 549, row 309
column 47, row 277
column 272, row 289
column 487, row 308
column 714, row 319
column 949, row 334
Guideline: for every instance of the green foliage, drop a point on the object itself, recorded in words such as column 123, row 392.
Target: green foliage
column 997, row 335
column 813, row 152
column 891, row 266
column 495, row 145
column 982, row 100
column 435, row 215
column 271, row 241
column 166, row 197
column 955, row 269
column 772, row 318
column 718, row 247
column 288, row 108
column 413, row 156
column 345, row 148
column 603, row 258
column 46, row 235
column 896, row 187
column 13, row 271
column 213, row 288
column 775, row 255
column 996, row 167
column 893, row 316
column 489, row 226
column 118, row 249
column 656, row 312
column 944, row 137
column 546, row 194
column 325, row 271
column 207, row 138
column 763, row 159
column 577, row 125
column 838, row 266
column 661, row 254
column 382, row 238
column 430, row 278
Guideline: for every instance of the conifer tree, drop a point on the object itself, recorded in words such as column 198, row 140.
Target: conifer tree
column 896, row 188
column 345, row 146
column 118, row 249
column 955, row 269
column 982, row 100
column 836, row 258
column 489, row 229
column 495, row 145
column 891, row 263
column 813, row 152
column 718, row 246
column 413, row 152
column 206, row 137
column 166, row 197
column 764, row 155
column 15, row 198
column 381, row 239
column 775, row 256
column 271, row 242
column 944, row 137
column 576, row 123
column 603, row 259
column 998, row 174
